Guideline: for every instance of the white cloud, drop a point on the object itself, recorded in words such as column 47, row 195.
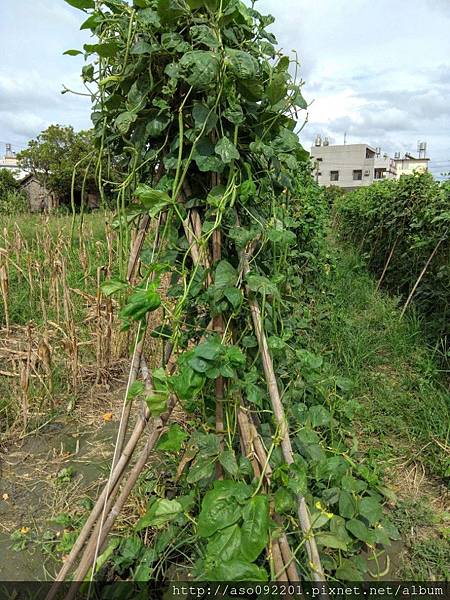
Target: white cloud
column 378, row 70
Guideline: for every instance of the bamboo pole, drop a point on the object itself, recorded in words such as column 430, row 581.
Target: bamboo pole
column 280, row 417
column 219, row 383
column 388, row 262
column 117, row 474
column 103, row 530
column 286, row 570
column 419, row 279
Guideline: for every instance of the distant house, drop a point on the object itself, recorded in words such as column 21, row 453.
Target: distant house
column 349, row 166
column 352, row 166
column 9, row 162
column 39, row 198
column 410, row 164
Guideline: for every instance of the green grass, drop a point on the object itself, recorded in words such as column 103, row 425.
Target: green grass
column 43, row 271
column 404, row 399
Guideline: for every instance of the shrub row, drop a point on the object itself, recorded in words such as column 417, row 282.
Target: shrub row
column 403, row 229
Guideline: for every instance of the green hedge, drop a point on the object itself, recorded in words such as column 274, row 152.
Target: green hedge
column 407, row 220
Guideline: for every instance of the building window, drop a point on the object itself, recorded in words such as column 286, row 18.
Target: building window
column 380, row 173
column 334, row 175
column 357, row 175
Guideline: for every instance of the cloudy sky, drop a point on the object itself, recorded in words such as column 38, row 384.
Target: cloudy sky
column 379, row 71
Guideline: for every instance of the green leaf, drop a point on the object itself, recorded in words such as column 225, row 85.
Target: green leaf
column 209, row 350
column 153, row 200
column 201, row 468
column 81, row 4
column 171, row 10
column 225, row 544
column 221, row 506
column 236, row 570
column 234, row 113
column 204, row 117
column 157, row 400
column 225, row 275
column 187, row 384
column 351, row 484
column 298, row 478
column 242, row 64
column 338, row 529
column 172, row 440
column 277, row 89
column 72, row 52
column 235, row 356
column 113, row 286
column 282, row 236
column 347, row 505
column 92, row 22
column 330, row 541
column 199, row 365
column 255, row 527
column 157, row 126
column 208, row 163
column 309, row 359
column 348, row 572
column 227, row 150
column 136, row 389
column 105, row 50
column 234, row 297
column 201, row 67
column 202, row 34
column 157, row 403
column 215, row 195
column 371, row 509
column 124, row 121
column 262, row 285
column 141, row 47
column 391, row 530
column 140, row 303
column 228, row 461
column 319, row 416
column 207, row 443
column 87, row 72
column 359, row 530
column 285, row 501
column 149, row 17
column 161, row 512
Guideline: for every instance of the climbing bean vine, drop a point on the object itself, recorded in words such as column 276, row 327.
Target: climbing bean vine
column 196, row 112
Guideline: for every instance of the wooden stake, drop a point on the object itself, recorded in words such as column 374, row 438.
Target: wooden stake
column 103, row 530
column 419, row 279
column 386, row 266
column 280, row 417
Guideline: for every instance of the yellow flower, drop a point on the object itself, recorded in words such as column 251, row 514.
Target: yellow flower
column 107, row 417
column 24, row 530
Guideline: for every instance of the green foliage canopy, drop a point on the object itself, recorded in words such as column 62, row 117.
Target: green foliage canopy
column 53, row 156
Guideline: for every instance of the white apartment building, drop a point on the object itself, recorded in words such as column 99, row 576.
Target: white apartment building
column 9, row 161
column 410, row 164
column 352, row 166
